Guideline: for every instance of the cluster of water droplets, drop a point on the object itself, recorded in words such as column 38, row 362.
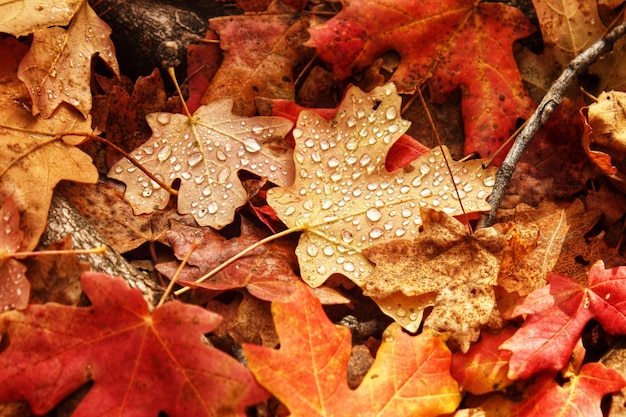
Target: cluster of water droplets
column 346, row 198
column 206, row 158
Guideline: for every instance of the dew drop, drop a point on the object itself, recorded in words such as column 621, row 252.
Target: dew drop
column 424, row 169
column 195, row 159
column 489, row 181
column 257, row 129
column 333, row 162
column 147, row 192
column 251, row 145
column 309, row 143
column 348, row 267
column 374, row 214
column 365, row 159
column 119, row 169
column 351, row 159
column 312, row 250
column 401, row 312
column 163, row 118
column 426, row 192
column 347, row 236
column 289, row 211
column 328, row 250
column 73, row 101
column 221, row 156
column 206, row 191
column 400, row 232
column 297, row 133
column 164, row 153
column 326, row 204
column 391, row 113
column 376, row 232
column 352, row 144
column 406, row 213
column 213, row 207
column 223, row 175
column 8, row 229
column 351, row 122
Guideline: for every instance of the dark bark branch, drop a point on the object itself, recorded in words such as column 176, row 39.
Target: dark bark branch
column 64, row 219
column 544, row 110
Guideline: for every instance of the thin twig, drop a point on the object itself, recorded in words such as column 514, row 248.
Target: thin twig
column 550, row 102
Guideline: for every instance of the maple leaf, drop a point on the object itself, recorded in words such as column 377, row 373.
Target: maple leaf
column 205, row 152
column 580, row 396
column 557, row 314
column 29, row 163
column 308, row 372
column 267, row 272
column 14, row 287
column 455, row 270
column 260, row 55
column 343, row 198
column 57, row 67
column 159, row 363
column 458, row 42
column 20, row 18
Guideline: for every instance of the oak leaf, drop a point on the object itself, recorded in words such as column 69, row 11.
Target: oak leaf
column 557, row 314
column 20, row 18
column 29, row 163
column 267, row 272
column 343, row 198
column 308, row 372
column 205, row 152
column 57, row 67
column 457, row 42
column 14, row 287
column 141, row 362
column 456, row 271
column 261, row 53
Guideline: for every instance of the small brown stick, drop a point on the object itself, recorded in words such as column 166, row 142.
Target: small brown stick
column 544, row 110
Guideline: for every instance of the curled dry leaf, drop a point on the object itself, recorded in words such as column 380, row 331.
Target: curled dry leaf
column 604, row 139
column 345, row 200
column 455, row 270
column 206, row 152
column 57, row 67
column 14, row 287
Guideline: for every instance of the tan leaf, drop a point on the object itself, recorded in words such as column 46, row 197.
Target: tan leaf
column 30, row 164
column 58, row 66
column 456, row 270
column 206, row 152
column 22, row 17
column 344, row 199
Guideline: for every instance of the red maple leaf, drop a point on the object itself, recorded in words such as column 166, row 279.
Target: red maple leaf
column 579, row 396
column 141, row 362
column 411, row 374
column 455, row 43
column 557, row 314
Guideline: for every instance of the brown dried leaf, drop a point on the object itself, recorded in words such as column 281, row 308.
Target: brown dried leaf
column 345, row 200
column 57, row 68
column 261, row 53
column 206, row 152
column 444, row 262
column 14, row 287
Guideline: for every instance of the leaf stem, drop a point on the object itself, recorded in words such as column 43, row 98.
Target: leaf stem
column 168, row 290
column 241, row 255
column 172, row 74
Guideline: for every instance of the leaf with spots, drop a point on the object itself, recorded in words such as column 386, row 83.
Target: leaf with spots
column 343, row 198
column 141, row 362
column 410, row 376
column 57, row 68
column 453, row 43
column 20, row 18
column 456, row 270
column 206, row 151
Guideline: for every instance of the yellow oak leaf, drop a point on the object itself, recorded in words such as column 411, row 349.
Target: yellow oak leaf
column 343, row 198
